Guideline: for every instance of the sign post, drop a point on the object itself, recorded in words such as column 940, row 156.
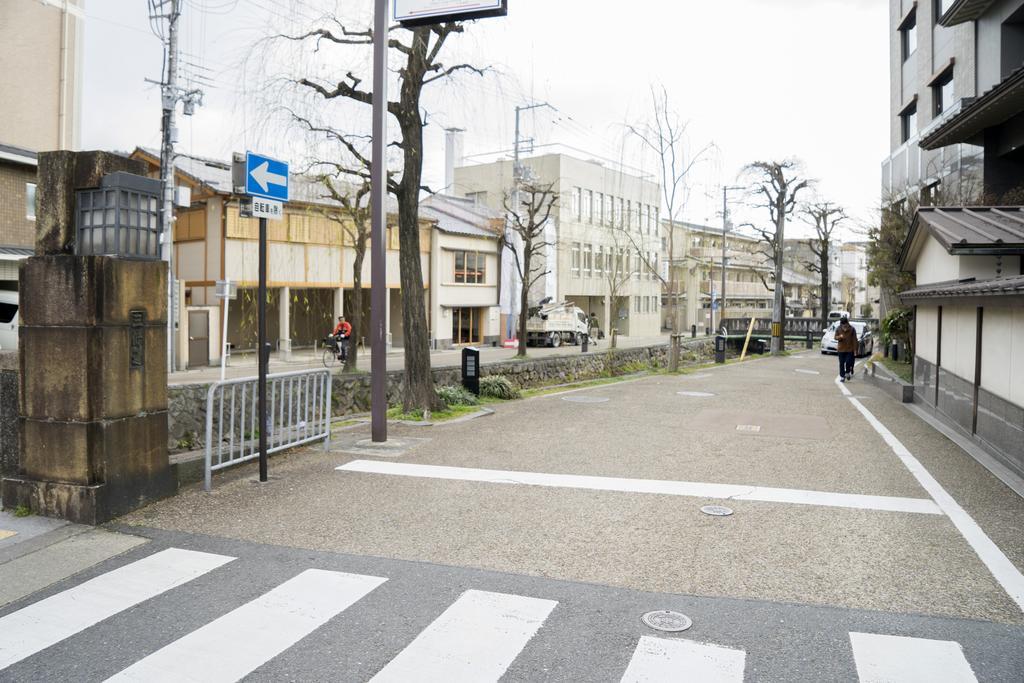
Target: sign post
column 265, row 181
column 226, row 291
column 408, row 13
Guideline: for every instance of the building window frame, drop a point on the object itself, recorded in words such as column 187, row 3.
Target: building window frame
column 908, row 121
column 942, row 87
column 577, row 203
column 908, row 35
column 30, row 201
column 588, row 260
column 588, row 206
column 576, row 259
column 473, row 269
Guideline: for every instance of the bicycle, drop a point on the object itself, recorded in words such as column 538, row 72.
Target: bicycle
column 335, row 351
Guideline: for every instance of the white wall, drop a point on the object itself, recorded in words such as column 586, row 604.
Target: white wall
column 1002, row 363
column 927, row 330
column 959, row 337
column 935, row 264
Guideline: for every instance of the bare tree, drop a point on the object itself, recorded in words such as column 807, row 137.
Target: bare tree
column 422, row 65
column 824, row 217
column 774, row 185
column 617, row 272
column 527, row 223
column 353, row 215
column 665, row 136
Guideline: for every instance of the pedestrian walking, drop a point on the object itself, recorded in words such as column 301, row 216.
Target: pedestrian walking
column 846, row 346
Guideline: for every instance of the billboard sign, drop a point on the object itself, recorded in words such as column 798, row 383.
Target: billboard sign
column 415, row 12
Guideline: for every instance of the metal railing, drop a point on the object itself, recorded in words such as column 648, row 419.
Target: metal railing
column 298, row 412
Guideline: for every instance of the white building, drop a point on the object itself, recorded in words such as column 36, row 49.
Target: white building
column 969, row 323
column 606, row 244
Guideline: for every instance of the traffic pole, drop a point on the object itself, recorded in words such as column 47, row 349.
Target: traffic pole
column 261, row 350
column 378, row 223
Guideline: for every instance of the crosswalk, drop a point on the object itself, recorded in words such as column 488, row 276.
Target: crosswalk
column 477, row 637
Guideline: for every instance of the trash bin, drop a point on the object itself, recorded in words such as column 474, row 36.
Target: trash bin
column 584, row 343
column 471, row 369
column 810, row 340
column 693, row 331
column 719, row 349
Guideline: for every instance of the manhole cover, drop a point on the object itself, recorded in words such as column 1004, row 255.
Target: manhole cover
column 807, row 372
column 716, row 510
column 695, row 394
column 668, row 621
column 748, row 428
column 585, row 399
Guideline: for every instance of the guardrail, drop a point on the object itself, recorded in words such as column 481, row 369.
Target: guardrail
column 298, row 412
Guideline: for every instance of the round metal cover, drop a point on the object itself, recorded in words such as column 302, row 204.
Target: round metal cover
column 695, row 394
column 666, row 620
column 716, row 510
column 585, row 399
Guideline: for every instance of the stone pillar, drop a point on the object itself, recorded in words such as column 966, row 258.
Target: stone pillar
column 339, row 305
column 93, row 357
column 284, row 319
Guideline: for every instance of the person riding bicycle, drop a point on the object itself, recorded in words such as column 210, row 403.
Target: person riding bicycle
column 342, row 331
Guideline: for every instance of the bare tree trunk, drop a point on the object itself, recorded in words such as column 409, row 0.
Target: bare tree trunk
column 524, row 297
column 778, row 344
column 826, row 289
column 356, row 317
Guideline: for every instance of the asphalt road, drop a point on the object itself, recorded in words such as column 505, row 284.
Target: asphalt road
column 526, row 546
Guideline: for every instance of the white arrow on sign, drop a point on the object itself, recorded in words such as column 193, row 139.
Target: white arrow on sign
column 263, row 177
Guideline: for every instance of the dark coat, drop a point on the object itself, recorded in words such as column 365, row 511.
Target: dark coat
column 846, row 338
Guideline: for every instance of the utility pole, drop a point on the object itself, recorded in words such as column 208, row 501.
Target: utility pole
column 725, row 229
column 378, row 227
column 517, row 178
column 170, row 95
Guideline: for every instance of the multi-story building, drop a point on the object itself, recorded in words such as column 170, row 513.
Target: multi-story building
column 956, row 131
column 310, row 267
column 605, row 244
column 40, row 82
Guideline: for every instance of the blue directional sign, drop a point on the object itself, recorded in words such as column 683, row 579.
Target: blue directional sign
column 266, row 177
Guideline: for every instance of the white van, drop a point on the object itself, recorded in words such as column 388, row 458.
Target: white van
column 8, row 320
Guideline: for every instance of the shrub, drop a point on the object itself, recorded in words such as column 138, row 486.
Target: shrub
column 498, row 386
column 457, row 396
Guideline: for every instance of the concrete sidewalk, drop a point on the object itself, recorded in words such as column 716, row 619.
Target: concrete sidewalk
column 824, row 512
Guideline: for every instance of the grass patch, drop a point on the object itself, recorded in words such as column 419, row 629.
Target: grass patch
column 450, row 413
column 904, row 371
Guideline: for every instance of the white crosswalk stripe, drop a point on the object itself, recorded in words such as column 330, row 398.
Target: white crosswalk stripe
column 49, row 621
column 476, row 639
column 664, row 660
column 234, row 645
column 898, row 659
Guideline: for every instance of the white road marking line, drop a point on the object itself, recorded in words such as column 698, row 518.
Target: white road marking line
column 53, row 619
column 655, row 486
column 661, row 659
column 1004, row 571
column 898, row 659
column 232, row 646
column 476, row 639
column 807, row 372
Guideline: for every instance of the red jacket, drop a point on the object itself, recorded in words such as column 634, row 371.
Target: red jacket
column 344, row 328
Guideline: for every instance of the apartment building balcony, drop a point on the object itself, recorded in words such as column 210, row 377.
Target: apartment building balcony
column 739, row 290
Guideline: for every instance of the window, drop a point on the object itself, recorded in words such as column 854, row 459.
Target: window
column 638, row 270
column 588, row 206
column 599, row 208
column 577, row 201
column 636, row 304
column 466, row 325
column 642, row 223
column 479, row 198
column 908, row 122
column 657, row 219
column 942, row 93
column 941, row 7
column 629, row 213
column 30, row 201
column 7, row 312
column 588, row 260
column 620, row 219
column 908, row 35
column 608, row 204
column 576, row 259
column 599, row 262
column 470, row 267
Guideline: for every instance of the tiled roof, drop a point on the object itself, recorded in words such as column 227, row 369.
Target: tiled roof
column 1004, row 286
column 973, row 229
column 460, row 216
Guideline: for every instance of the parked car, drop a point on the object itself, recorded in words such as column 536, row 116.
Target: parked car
column 8, row 321
column 865, row 339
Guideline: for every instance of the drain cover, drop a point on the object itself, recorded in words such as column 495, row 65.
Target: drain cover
column 716, row 510
column 665, row 620
column 585, row 399
column 748, row 428
column 695, row 394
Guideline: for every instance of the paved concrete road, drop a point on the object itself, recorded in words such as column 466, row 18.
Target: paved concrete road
column 526, row 546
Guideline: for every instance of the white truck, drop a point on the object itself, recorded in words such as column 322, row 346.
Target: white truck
column 554, row 324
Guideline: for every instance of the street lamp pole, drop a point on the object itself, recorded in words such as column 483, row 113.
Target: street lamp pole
column 378, row 221
column 725, row 229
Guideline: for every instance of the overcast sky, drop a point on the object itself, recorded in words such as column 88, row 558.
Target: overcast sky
column 757, row 79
